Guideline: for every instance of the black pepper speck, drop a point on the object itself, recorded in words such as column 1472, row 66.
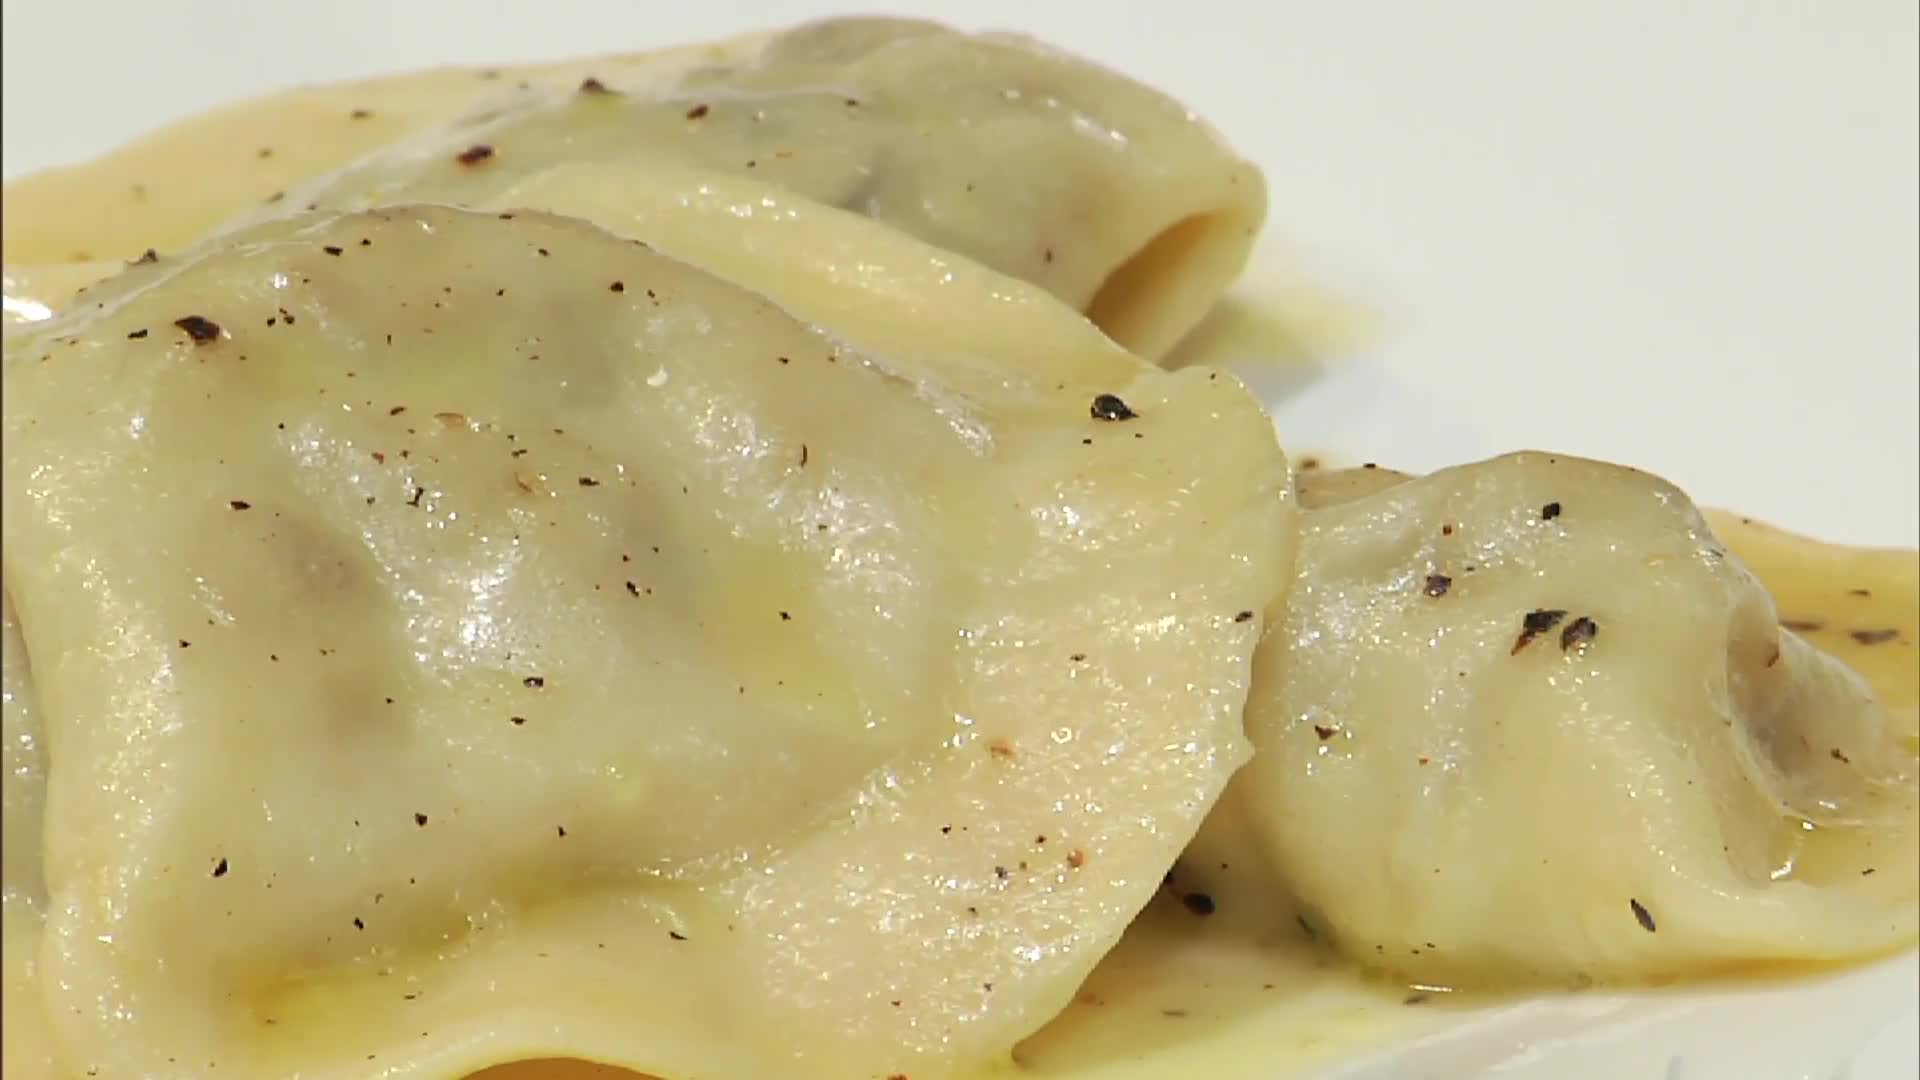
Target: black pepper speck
column 1198, row 903
column 201, row 330
column 1578, row 633
column 1641, row 915
column 1535, row 623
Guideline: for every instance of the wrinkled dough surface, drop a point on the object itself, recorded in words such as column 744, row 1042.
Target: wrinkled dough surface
column 1040, row 165
column 531, row 646
column 1528, row 719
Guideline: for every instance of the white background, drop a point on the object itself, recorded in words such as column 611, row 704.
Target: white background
column 1678, row 235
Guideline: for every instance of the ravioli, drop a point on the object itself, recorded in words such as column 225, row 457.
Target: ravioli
column 466, row 637
column 1105, row 193
column 1529, row 720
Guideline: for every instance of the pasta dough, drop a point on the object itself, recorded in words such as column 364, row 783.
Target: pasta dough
column 1105, row 193
column 22, row 888
column 1528, row 719
column 518, row 652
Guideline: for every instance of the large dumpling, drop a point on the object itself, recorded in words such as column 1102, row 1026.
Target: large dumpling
column 1529, row 720
column 1107, row 194
column 464, row 637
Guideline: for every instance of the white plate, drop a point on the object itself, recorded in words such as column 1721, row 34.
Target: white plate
column 1677, row 235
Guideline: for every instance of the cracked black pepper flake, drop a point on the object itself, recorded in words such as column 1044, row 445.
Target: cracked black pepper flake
column 588, row 481
column 240, row 504
column 1641, row 915
column 633, row 589
column 697, row 112
column 185, row 644
column 147, row 256
column 1243, row 616
column 516, row 721
column 360, row 114
column 333, row 249
column 1438, row 584
column 1110, row 407
column 591, row 85
column 201, row 330
column 420, row 819
column 1199, row 903
column 418, row 493
column 786, row 616
column 136, row 335
column 533, row 682
column 1578, row 633
column 561, row 830
column 1535, row 623
column 676, row 935
column 1550, row 511
column 360, row 924
column 475, row 154
column 1840, row 756
column 804, row 455
column 1873, row 637
column 1325, row 732
column 220, row 868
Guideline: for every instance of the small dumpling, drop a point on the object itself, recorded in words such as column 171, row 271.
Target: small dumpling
column 1107, row 194
column 466, row 637
column 1529, row 720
